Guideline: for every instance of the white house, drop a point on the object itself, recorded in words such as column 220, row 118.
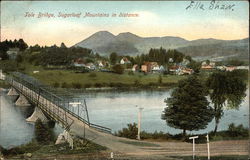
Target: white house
column 12, row 52
column 125, row 60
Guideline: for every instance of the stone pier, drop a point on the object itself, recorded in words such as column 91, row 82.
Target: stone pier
column 22, row 101
column 12, row 92
column 37, row 114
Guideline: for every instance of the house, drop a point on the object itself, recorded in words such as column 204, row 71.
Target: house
column 125, row 60
column 187, row 71
column 90, row 66
column 231, row 68
column 79, row 63
column 243, row 67
column 149, row 66
column 222, row 68
column 12, row 52
column 185, row 62
column 102, row 64
column 158, row 69
column 174, row 69
column 206, row 66
column 135, row 68
column 2, row 76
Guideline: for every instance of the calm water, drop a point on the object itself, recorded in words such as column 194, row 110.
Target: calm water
column 113, row 109
column 14, row 130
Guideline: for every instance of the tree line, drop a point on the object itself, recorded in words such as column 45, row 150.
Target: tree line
column 7, row 44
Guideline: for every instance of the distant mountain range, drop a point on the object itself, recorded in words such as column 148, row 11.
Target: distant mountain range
column 128, row 43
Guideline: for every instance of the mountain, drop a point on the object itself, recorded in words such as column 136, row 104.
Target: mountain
column 128, row 43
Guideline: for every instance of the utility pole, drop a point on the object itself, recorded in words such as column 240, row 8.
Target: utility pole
column 193, row 138
column 139, row 123
column 208, row 148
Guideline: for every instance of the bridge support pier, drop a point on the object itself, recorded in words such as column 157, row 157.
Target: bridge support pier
column 65, row 137
column 12, row 92
column 22, row 101
column 37, row 114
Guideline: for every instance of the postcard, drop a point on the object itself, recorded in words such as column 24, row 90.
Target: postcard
column 141, row 80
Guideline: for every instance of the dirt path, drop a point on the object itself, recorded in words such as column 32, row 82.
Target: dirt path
column 147, row 149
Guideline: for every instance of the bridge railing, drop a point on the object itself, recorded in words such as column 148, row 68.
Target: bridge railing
column 46, row 92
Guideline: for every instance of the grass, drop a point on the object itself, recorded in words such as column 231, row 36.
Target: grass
column 80, row 146
column 50, row 77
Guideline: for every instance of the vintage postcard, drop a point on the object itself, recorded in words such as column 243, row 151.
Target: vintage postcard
column 124, row 80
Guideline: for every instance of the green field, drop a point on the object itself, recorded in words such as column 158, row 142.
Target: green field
column 103, row 79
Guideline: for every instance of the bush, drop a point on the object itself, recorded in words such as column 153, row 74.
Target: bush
column 237, row 131
column 56, row 84
column 76, row 85
column 118, row 69
column 65, row 85
column 130, row 132
column 42, row 132
column 137, row 83
column 98, row 85
column 87, row 85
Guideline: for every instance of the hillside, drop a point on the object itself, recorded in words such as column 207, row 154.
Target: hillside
column 128, row 43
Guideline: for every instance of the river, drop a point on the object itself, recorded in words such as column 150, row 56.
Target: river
column 113, row 109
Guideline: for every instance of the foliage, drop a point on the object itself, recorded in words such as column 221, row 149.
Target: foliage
column 196, row 66
column 118, row 69
column 161, row 56
column 76, row 85
column 8, row 65
column 130, row 132
column 43, row 133
column 237, row 131
column 225, row 87
column 113, row 58
column 187, row 108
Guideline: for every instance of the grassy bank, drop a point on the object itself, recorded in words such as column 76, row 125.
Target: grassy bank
column 43, row 150
column 70, row 79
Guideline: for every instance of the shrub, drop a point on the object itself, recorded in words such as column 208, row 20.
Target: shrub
column 129, row 132
column 56, row 84
column 42, row 132
column 87, row 85
column 118, row 69
column 65, row 85
column 76, row 85
column 137, row 83
column 237, row 131
column 98, row 85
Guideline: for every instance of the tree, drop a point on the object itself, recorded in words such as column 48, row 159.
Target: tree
column 188, row 108
column 42, row 132
column 118, row 69
column 225, row 87
column 113, row 58
column 195, row 66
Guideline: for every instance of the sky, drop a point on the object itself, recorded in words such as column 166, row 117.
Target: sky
column 155, row 19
